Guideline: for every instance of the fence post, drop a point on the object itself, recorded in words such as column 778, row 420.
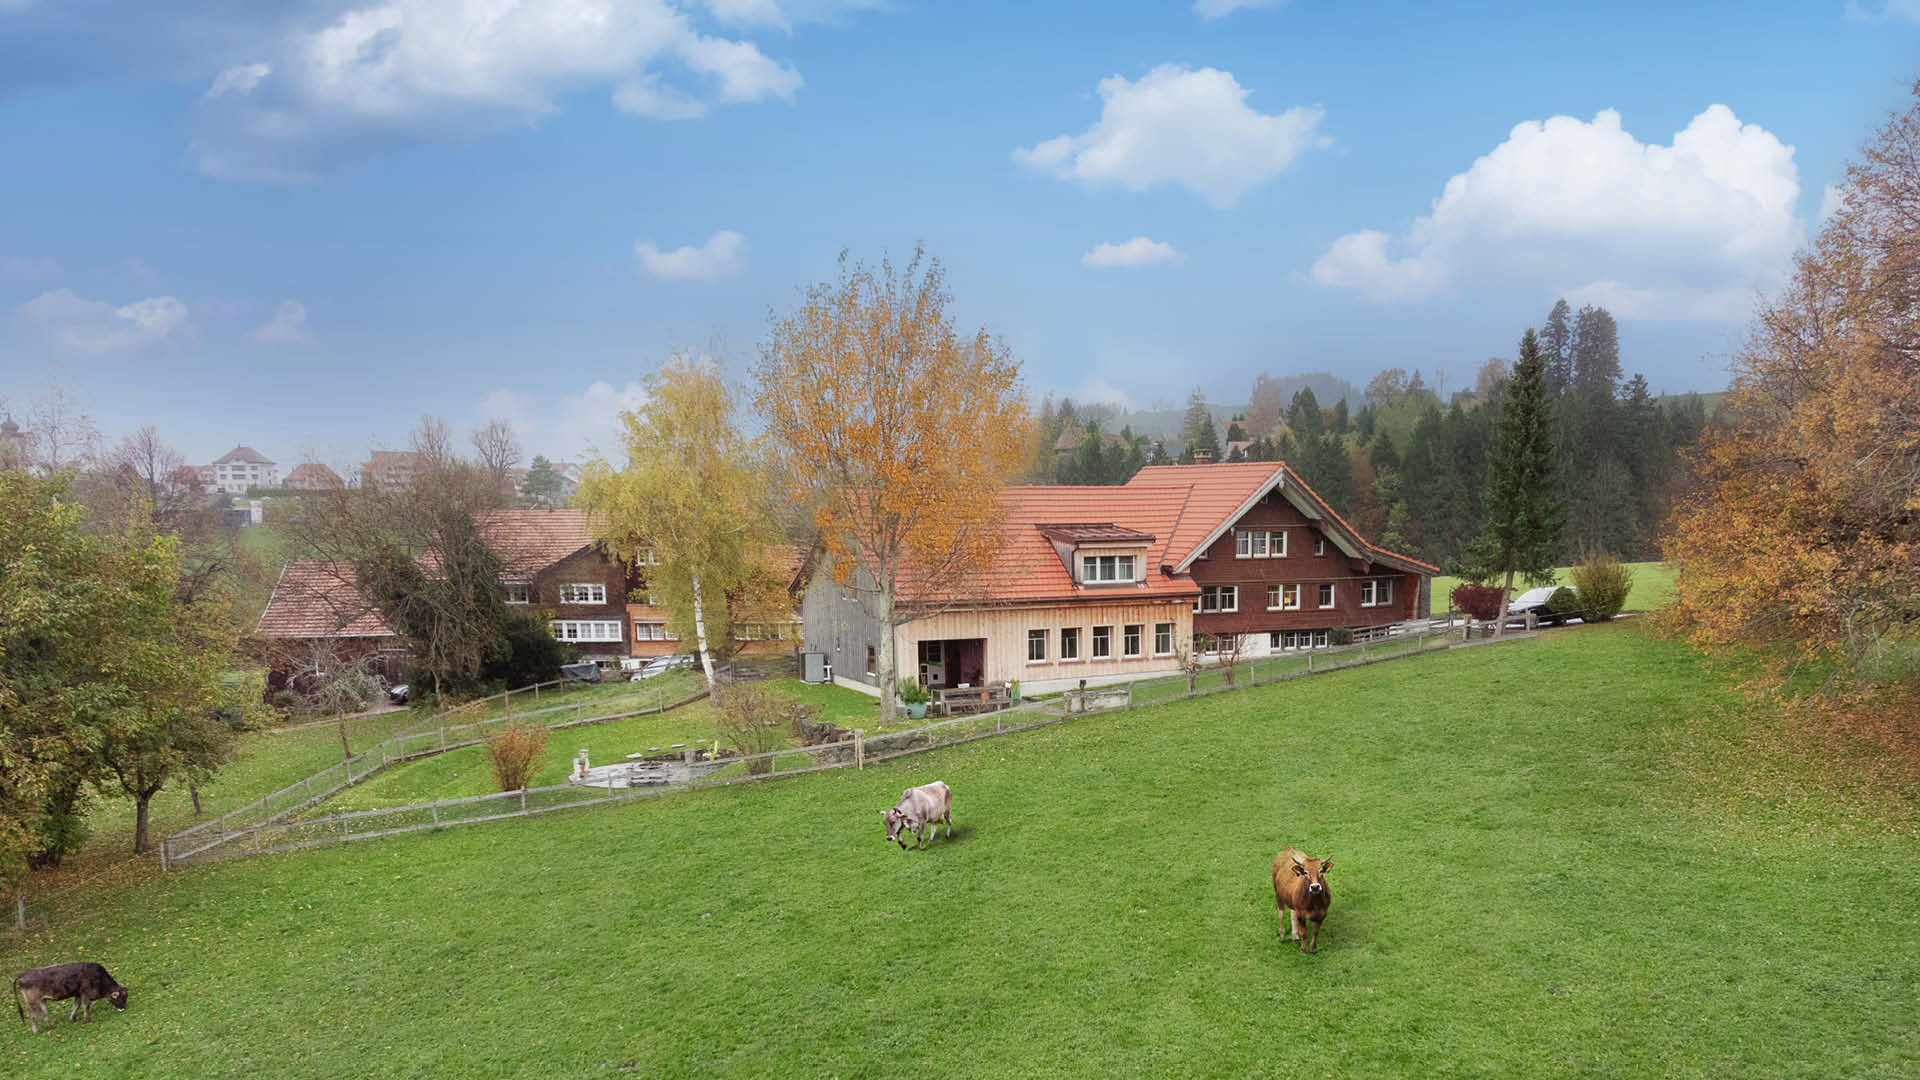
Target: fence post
column 436, row 811
column 345, row 748
column 523, row 799
column 859, row 748
column 1309, row 661
column 661, row 691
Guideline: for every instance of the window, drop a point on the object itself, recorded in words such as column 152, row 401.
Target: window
column 1319, row 545
column 1036, row 646
column 1376, row 591
column 872, row 660
column 1260, row 544
column 1276, row 637
column 586, row 629
column 519, row 592
column 1219, row 598
column 1102, row 642
column 581, row 592
column 1163, row 639
column 647, row 558
column 1283, row 598
column 1106, row 568
column 1130, row 640
column 1277, row 543
column 1069, row 643
column 1319, row 638
column 1326, row 596
column 650, row 631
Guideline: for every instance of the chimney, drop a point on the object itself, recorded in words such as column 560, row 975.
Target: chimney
column 1203, row 457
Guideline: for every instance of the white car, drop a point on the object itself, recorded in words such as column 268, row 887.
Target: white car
column 660, row 664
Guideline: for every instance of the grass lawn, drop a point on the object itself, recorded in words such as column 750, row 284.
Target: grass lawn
column 1652, row 586
column 466, row 772
column 1555, row 873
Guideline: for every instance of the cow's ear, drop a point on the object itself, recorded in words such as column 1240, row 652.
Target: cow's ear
column 1300, row 870
column 1326, row 865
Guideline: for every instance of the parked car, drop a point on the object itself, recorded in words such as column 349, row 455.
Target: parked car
column 660, row 664
column 1534, row 602
column 584, row 672
column 397, row 693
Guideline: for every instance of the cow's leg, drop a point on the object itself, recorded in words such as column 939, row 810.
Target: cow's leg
column 86, row 1008
column 1315, row 947
column 75, row 1013
column 1293, row 925
column 949, row 820
column 36, row 1011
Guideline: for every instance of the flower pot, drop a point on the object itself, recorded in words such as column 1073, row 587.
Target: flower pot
column 917, row 710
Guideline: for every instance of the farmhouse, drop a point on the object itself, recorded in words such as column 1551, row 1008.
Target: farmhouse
column 318, row 620
column 1104, row 584
column 550, row 560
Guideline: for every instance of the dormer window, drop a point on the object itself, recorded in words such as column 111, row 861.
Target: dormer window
column 1106, row 570
column 518, row 592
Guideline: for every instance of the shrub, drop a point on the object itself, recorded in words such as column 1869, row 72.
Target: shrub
column 1604, row 583
column 1340, row 635
column 1563, row 601
column 286, row 700
column 750, row 718
column 515, row 752
column 1480, row 601
column 912, row 692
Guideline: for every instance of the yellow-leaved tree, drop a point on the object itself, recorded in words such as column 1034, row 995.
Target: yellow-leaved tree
column 690, row 506
column 896, row 433
column 1803, row 536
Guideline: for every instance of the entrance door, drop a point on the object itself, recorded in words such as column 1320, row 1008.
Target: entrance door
column 933, row 663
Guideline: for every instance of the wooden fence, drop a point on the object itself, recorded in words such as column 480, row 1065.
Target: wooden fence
column 404, row 746
column 286, row 832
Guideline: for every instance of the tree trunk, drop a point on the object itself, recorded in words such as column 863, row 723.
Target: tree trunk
column 193, row 792
column 700, row 636
column 1506, row 590
column 140, row 844
column 889, row 664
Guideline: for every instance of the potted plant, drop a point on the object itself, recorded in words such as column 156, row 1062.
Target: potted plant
column 1013, row 691
column 915, row 698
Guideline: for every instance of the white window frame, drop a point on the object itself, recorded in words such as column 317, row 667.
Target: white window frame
column 1319, row 545
column 525, row 589
column 1222, row 598
column 1136, row 632
column 1328, row 596
column 1162, row 631
column 1102, row 643
column 1379, row 589
column 1092, row 567
column 1277, row 543
column 1320, row 638
column 591, row 630
column 594, row 591
column 1278, row 592
column 1069, row 644
column 650, row 634
column 1036, row 637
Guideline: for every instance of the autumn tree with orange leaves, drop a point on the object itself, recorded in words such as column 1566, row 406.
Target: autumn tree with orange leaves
column 896, row 433
column 1803, row 537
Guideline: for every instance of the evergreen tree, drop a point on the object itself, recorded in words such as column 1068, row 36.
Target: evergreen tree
column 1340, row 417
column 1235, row 433
column 542, row 488
column 1596, row 353
column 1524, row 511
column 1556, row 342
column 1303, row 416
column 1383, row 455
column 1198, row 430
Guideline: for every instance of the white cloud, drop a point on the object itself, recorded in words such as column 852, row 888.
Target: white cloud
column 1214, row 9
column 575, row 428
column 1138, row 251
column 287, row 327
column 720, row 257
column 1574, row 206
column 12, row 266
column 748, row 12
column 386, row 72
column 1179, row 126
column 82, row 327
column 1890, row 10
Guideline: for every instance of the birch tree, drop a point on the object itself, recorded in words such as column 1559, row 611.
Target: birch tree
column 690, row 504
column 897, row 433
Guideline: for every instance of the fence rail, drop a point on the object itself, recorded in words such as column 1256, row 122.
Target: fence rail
column 283, row 833
column 403, row 746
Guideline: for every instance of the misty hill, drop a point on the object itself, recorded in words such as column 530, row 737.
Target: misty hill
column 1327, row 388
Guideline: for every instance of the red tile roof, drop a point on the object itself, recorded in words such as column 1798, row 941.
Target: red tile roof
column 313, row 475
column 318, row 599
column 529, row 541
column 243, row 454
column 1105, row 532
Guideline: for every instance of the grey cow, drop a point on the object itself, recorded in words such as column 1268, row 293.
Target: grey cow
column 919, row 809
column 84, row 982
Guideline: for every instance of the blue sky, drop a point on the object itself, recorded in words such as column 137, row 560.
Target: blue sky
column 303, row 228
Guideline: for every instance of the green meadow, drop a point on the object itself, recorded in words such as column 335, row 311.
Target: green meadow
column 1652, row 586
column 1560, row 856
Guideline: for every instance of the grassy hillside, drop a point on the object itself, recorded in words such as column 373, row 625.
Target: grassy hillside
column 1553, row 873
column 1652, row 586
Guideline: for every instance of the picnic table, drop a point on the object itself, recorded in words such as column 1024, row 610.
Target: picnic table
column 962, row 700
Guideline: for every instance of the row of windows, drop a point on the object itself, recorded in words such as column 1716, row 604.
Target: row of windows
column 1286, row 640
column 1101, row 642
column 657, row 631
column 521, row 592
column 1268, row 544
column 586, row 629
column 1226, row 598
column 1101, row 569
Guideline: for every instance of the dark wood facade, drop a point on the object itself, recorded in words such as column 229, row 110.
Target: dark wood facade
column 1311, row 560
column 549, row 592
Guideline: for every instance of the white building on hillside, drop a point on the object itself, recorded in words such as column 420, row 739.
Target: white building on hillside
column 240, row 468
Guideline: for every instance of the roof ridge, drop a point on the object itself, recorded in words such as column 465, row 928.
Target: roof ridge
column 1178, row 516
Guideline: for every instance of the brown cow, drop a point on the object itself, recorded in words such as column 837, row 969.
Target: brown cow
column 1300, row 890
column 84, row 982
